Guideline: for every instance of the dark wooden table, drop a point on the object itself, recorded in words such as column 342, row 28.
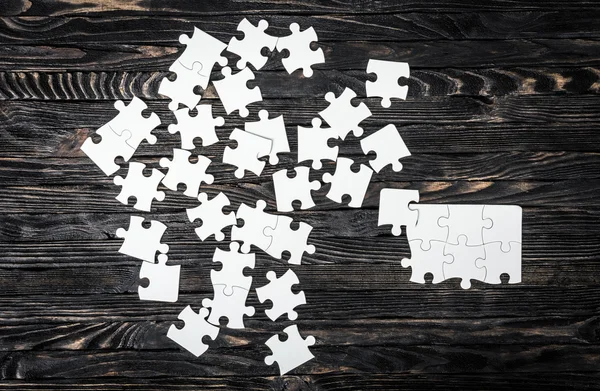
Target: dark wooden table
column 503, row 108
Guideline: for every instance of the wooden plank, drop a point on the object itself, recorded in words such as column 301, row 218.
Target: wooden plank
column 487, row 82
column 334, row 27
column 345, row 55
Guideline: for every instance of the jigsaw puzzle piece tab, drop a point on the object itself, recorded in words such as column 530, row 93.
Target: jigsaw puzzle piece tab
column 272, row 129
column 196, row 327
column 506, row 226
column 389, row 147
column 386, row 86
column 423, row 262
column 312, row 144
column 245, row 156
column 284, row 238
column 234, row 92
column 287, row 189
column 465, row 220
column 497, row 262
column 394, row 209
column 202, row 125
column 279, row 292
column 212, row 216
column 345, row 181
column 140, row 242
column 301, row 56
column 181, row 170
column 255, row 222
column 342, row 116
column 104, row 153
column 143, row 188
column 290, row 353
column 163, row 281
column 464, row 264
column 427, row 227
column 249, row 48
column 232, row 272
column 233, row 307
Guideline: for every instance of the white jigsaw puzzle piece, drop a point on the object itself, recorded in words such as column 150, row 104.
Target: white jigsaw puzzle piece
column 386, row 86
column 163, row 281
column 232, row 273
column 212, row 216
column 464, row 264
column 427, row 227
column 290, row 353
column 141, row 187
column 394, row 209
column 272, row 129
column 389, row 147
column 181, row 90
column 104, row 153
column 289, row 189
column 255, row 222
column 497, row 262
column 342, row 116
column 234, row 92
column 196, row 327
column 201, row 125
column 279, row 292
column 204, row 49
column 249, row 48
column 130, row 119
column 506, row 225
column 233, row 307
column 345, row 181
column 301, row 56
column 422, row 262
column 140, row 242
column 312, row 144
column 245, row 156
column 284, row 238
column 181, row 170
column 465, row 220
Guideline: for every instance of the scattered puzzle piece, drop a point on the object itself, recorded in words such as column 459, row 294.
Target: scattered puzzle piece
column 196, row 327
column 284, row 238
column 181, row 90
column 394, row 209
column 389, row 147
column 345, row 181
column 232, row 273
column 287, row 189
column 342, row 116
column 290, row 353
column 249, row 48
column 255, row 222
column 429, row 261
column 143, row 188
column 463, row 265
column 181, row 170
column 140, row 242
column 130, row 119
column 386, row 86
column 204, row 49
column 104, row 153
column 301, row 56
column 234, row 92
column 233, row 307
column 272, row 129
column 212, row 216
column 201, row 125
column 245, row 156
column 279, row 292
column 163, row 281
column 312, row 144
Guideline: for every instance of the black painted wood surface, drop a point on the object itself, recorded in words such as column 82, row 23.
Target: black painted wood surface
column 503, row 108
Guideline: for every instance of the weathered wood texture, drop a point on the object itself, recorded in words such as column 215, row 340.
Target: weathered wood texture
column 503, row 108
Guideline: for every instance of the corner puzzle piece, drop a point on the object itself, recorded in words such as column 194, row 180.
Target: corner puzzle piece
column 140, row 242
column 389, row 147
column 465, row 220
column 255, row 222
column 249, row 48
column 427, row 227
column 130, row 119
column 272, row 129
column 163, row 281
column 301, row 55
column 464, row 264
column 143, row 188
column 181, row 90
column 104, row 153
column 201, row 125
column 422, row 262
column 506, row 225
column 196, row 327
column 386, row 86
column 345, row 181
column 342, row 116
column 312, row 144
column 234, row 92
column 204, row 49
column 182, row 171
column 497, row 262
column 212, row 216
column 284, row 238
column 290, row 353
column 394, row 209
column 232, row 273
column 233, row 307
column 289, row 189
column 245, row 156
column 279, row 292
